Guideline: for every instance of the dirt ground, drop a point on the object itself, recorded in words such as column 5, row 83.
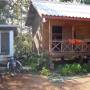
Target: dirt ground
column 36, row 82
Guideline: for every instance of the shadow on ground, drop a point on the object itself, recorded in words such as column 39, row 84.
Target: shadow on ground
column 37, row 82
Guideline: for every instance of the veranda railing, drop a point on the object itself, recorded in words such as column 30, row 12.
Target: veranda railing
column 66, row 46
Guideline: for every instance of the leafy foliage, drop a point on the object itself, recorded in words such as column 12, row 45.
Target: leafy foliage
column 85, row 68
column 45, row 71
column 37, row 62
column 18, row 10
column 79, row 1
column 14, row 12
column 65, row 0
column 23, row 45
column 73, row 69
column 85, row 1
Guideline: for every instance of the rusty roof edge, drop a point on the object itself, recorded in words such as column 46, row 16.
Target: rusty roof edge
column 65, row 17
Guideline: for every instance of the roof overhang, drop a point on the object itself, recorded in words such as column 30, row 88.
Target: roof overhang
column 63, row 10
column 8, row 27
column 66, row 18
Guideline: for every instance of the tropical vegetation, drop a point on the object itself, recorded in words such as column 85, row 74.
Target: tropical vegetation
column 15, row 12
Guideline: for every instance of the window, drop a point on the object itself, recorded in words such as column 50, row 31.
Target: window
column 4, row 40
column 56, row 33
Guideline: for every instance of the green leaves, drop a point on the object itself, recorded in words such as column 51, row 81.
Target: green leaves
column 65, row 0
column 23, row 44
column 73, row 69
column 86, row 1
column 45, row 71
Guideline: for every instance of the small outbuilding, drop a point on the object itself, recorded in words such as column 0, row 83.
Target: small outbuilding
column 7, row 41
column 60, row 29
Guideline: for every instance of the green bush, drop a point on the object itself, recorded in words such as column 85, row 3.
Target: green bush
column 37, row 62
column 45, row 71
column 23, row 45
column 32, row 62
column 86, row 68
column 73, row 69
column 76, row 68
column 67, row 70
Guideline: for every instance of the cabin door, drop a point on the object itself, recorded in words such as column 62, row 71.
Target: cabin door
column 56, row 38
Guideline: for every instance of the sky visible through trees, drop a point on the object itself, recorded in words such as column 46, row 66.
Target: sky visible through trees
column 14, row 12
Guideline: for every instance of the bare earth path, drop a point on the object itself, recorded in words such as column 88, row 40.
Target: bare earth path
column 36, row 82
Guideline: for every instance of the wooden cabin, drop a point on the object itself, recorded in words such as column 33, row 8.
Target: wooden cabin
column 60, row 29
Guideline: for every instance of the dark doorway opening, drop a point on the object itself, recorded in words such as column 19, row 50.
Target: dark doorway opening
column 56, row 38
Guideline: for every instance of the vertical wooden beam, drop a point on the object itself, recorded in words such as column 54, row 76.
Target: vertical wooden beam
column 73, row 28
column 0, row 42
column 42, row 35
column 49, row 36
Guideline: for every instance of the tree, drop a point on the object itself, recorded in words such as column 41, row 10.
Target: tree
column 23, row 45
column 18, row 13
column 14, row 12
column 2, row 11
column 79, row 1
column 85, row 1
column 64, row 0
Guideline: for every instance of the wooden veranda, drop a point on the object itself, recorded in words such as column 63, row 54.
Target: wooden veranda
column 69, row 47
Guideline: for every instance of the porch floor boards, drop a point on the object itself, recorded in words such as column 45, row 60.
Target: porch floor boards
column 67, row 55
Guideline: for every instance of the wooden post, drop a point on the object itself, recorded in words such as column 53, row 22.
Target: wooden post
column 42, row 34
column 0, row 42
column 49, row 37
column 72, row 34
